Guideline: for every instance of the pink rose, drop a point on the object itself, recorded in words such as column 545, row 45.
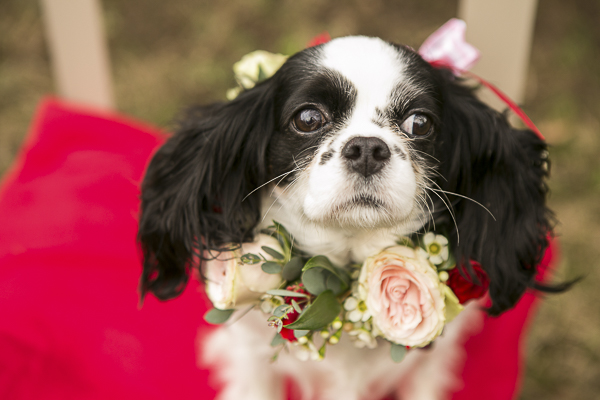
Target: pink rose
column 404, row 295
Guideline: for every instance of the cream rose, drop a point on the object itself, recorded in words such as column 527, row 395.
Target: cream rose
column 247, row 70
column 231, row 284
column 404, row 295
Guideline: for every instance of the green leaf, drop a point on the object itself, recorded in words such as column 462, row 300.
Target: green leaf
column 261, row 74
column 284, row 238
column 296, row 306
column 250, row 258
column 217, row 317
column 324, row 263
column 282, row 309
column 293, row 269
column 448, row 264
column 335, row 285
column 322, row 350
column 271, row 267
column 453, row 306
column 405, row 241
column 315, row 280
column 298, row 333
column 282, row 231
column 285, row 293
column 398, row 352
column 277, row 340
column 272, row 252
column 319, row 314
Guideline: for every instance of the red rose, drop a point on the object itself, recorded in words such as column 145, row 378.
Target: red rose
column 288, row 334
column 464, row 288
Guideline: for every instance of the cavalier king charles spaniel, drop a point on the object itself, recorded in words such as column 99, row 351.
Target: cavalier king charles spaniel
column 349, row 145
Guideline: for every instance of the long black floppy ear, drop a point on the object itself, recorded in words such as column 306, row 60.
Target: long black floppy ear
column 193, row 194
column 503, row 170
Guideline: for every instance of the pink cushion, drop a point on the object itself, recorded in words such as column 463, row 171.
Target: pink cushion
column 70, row 323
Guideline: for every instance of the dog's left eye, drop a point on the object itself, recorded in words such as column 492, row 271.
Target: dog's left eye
column 309, row 120
column 416, row 125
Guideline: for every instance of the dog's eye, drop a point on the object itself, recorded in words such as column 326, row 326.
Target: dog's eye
column 416, row 125
column 309, row 120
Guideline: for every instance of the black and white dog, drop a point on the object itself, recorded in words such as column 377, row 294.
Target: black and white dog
column 350, row 144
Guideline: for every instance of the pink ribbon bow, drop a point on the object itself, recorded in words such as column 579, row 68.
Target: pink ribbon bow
column 447, row 48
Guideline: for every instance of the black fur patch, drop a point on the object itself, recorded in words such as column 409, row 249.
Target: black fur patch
column 326, row 157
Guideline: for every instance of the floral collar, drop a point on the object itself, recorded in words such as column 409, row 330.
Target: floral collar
column 405, row 294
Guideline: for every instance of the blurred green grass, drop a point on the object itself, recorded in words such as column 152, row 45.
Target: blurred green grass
column 167, row 55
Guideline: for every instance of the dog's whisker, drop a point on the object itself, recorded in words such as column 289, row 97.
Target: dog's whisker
column 277, row 199
column 462, row 196
column 266, row 183
column 308, row 148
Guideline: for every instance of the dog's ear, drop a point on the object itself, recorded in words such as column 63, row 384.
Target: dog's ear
column 502, row 169
column 193, row 194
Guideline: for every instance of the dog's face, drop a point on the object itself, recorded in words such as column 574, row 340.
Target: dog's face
column 354, row 134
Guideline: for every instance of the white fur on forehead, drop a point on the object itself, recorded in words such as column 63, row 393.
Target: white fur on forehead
column 373, row 66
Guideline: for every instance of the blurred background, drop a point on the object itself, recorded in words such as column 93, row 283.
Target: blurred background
column 168, row 55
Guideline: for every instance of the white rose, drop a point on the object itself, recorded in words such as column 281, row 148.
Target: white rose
column 231, row 284
column 404, row 295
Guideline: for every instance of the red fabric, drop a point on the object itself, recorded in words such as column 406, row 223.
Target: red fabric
column 70, row 324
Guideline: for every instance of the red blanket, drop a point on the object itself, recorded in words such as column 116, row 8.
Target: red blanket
column 70, row 323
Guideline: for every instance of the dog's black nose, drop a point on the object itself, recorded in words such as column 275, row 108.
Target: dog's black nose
column 366, row 155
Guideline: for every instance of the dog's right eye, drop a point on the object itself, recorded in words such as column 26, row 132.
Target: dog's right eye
column 309, row 120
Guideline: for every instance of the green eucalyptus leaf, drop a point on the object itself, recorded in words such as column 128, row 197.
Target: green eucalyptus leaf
column 398, row 352
column 277, row 340
column 271, row 267
column 296, row 306
column 318, row 261
column 334, row 284
column 324, row 263
column 250, row 258
column 217, row 317
column 315, row 280
column 293, row 269
column 285, row 293
column 272, row 252
column 319, row 314
column 298, row 333
column 282, row 309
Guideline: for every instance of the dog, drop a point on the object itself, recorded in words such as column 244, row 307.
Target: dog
column 349, row 145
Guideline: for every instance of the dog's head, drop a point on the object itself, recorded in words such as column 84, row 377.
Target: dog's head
column 354, row 134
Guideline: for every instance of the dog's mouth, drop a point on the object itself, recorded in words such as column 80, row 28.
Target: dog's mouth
column 362, row 201
column 365, row 200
